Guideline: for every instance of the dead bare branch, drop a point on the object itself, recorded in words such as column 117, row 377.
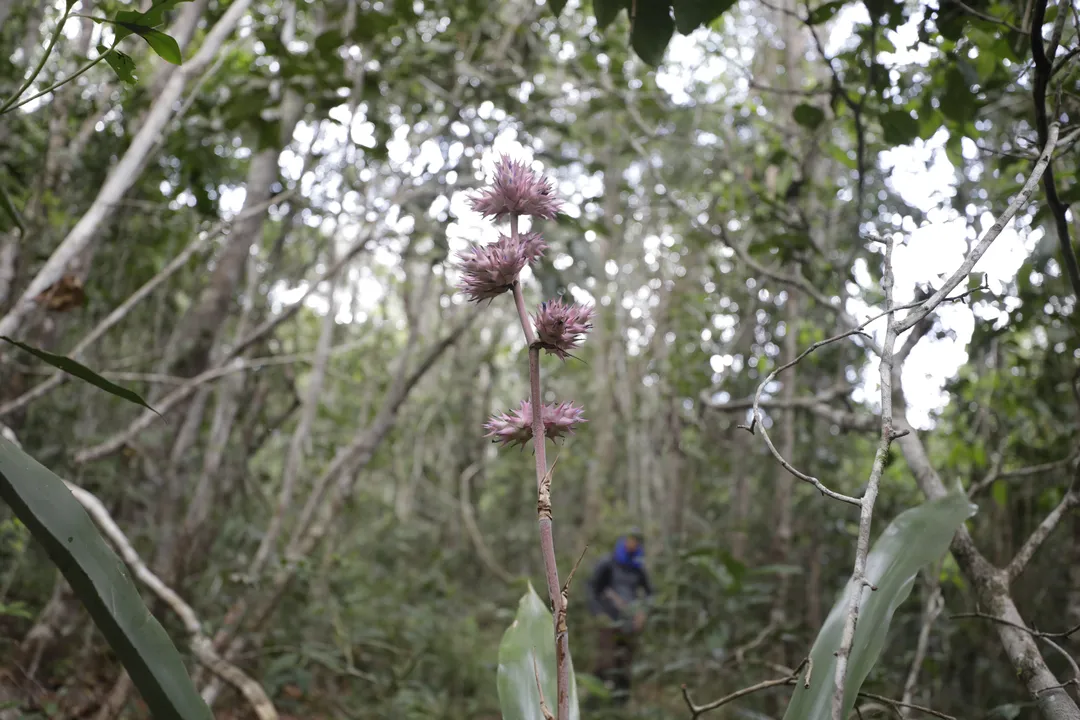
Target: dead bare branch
column 201, row 646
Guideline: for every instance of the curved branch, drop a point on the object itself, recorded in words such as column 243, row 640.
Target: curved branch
column 201, row 646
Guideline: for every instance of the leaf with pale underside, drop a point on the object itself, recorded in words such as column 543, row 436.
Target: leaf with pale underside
column 100, row 580
column 531, row 635
column 916, row 538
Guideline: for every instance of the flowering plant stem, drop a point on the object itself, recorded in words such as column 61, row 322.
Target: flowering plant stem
column 543, row 505
column 560, row 326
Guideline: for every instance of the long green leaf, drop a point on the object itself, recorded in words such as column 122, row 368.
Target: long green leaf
column 82, row 372
column 100, row 580
column 532, row 634
column 916, row 538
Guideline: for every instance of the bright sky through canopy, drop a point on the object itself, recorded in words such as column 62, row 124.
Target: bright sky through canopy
column 920, row 173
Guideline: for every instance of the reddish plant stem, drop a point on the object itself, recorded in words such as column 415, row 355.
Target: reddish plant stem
column 547, row 541
column 543, row 504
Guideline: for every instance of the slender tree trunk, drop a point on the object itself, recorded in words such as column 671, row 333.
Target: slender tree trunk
column 1072, row 606
column 123, row 176
column 188, row 350
column 990, row 586
column 603, row 415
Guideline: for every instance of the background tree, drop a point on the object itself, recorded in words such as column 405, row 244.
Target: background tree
column 262, row 240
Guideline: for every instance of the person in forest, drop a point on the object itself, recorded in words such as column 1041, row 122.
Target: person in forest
column 614, row 589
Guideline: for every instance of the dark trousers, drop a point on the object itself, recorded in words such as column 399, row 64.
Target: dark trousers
column 614, row 658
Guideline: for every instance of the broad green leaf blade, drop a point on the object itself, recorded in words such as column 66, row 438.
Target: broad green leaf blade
column 898, row 127
column 606, row 11
column 531, row 634
column 916, row 538
column 156, row 14
column 808, row 115
column 82, row 372
column 164, row 45
column 652, row 31
column 100, row 580
column 825, row 12
column 122, row 65
column 128, row 23
column 692, row 14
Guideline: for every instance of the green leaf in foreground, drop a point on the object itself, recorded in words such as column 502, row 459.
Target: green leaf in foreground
column 532, row 634
column 82, row 372
column 652, row 31
column 122, row 65
column 916, row 538
column 100, row 580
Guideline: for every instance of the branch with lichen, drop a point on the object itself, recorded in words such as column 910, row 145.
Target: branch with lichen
column 557, row 328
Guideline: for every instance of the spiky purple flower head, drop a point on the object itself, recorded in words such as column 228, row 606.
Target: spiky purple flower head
column 517, row 189
column 533, row 246
column 490, row 270
column 560, row 327
column 515, row 427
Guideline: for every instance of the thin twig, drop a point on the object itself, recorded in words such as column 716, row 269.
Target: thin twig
column 1036, row 539
column 989, row 18
column 543, row 704
column 987, row 239
column 901, row 704
column 1043, row 57
column 999, row 474
column 935, row 603
column 201, row 646
column 134, row 299
column 757, row 418
column 862, row 547
column 697, row 711
column 1018, row 626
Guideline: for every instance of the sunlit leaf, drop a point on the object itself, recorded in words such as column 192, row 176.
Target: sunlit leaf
column 532, row 634
column 100, row 580
column 916, row 538
column 80, row 371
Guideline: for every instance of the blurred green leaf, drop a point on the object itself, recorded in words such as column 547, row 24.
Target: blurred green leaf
column 692, row 14
column 825, row 12
column 916, row 538
column 556, row 7
column 652, row 31
column 128, row 22
column 899, row 128
column 101, row 582
column 607, row 10
column 532, row 634
column 956, row 100
column 122, row 65
column 808, row 115
column 80, row 371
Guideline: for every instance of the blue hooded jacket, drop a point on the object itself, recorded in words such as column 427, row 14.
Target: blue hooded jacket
column 622, row 572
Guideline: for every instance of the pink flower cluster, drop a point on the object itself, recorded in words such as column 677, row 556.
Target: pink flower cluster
column 515, row 427
column 490, row 270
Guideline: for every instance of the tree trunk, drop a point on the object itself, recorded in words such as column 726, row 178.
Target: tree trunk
column 990, row 585
column 188, row 350
column 123, row 176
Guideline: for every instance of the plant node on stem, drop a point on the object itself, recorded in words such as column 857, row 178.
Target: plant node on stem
column 489, row 271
